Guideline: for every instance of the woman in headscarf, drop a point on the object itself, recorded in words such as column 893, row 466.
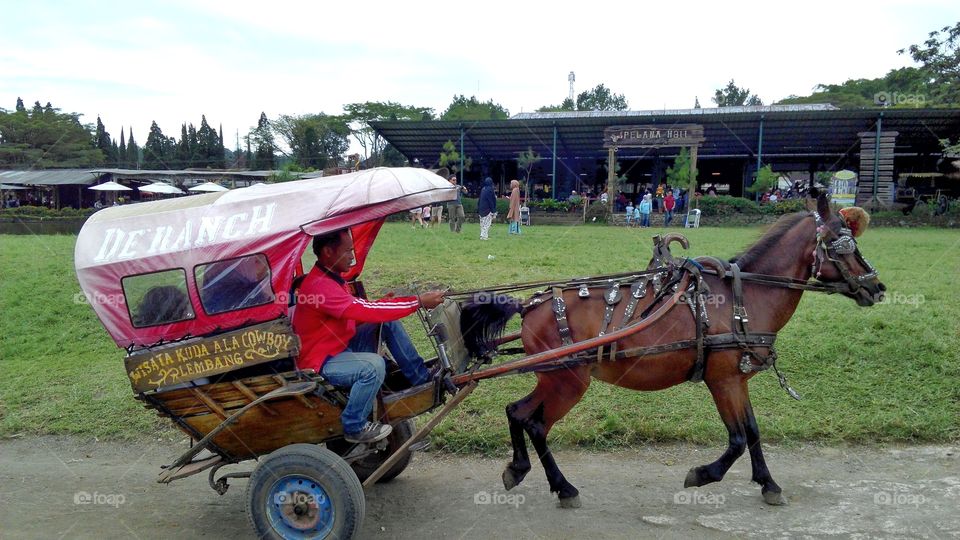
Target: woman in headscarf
column 513, row 215
column 487, row 208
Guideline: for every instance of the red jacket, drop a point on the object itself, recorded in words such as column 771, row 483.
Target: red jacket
column 669, row 202
column 327, row 314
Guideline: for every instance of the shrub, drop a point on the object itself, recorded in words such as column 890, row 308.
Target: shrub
column 598, row 212
column 470, row 207
column 780, row 208
column 725, row 205
column 46, row 213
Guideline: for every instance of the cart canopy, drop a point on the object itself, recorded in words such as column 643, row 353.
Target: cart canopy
column 190, row 266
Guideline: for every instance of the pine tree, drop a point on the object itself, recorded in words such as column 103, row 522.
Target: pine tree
column 263, row 159
column 153, row 149
column 122, row 152
column 193, row 144
column 221, row 151
column 133, row 152
column 20, row 107
column 104, row 144
column 183, row 148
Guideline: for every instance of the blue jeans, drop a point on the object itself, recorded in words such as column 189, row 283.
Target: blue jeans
column 668, row 215
column 644, row 220
column 360, row 368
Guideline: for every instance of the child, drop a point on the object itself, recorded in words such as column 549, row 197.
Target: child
column 629, row 213
column 425, row 217
column 645, row 206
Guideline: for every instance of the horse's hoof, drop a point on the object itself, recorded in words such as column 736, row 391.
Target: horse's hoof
column 774, row 498
column 509, row 480
column 570, row 502
column 692, row 479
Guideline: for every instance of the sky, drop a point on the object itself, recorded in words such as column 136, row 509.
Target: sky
column 132, row 62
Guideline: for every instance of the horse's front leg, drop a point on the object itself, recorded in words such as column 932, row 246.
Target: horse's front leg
column 730, row 396
column 553, row 397
column 768, row 488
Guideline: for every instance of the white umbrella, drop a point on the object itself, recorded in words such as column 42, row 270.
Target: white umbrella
column 160, row 187
column 209, row 186
column 110, row 186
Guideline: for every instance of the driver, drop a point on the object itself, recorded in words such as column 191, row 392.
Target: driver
column 333, row 345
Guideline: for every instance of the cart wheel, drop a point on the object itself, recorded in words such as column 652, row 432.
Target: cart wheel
column 304, row 491
column 365, row 466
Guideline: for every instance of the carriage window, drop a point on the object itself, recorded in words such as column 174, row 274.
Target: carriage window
column 235, row 284
column 157, row 298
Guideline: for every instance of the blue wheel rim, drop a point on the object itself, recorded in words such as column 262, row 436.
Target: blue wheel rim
column 298, row 508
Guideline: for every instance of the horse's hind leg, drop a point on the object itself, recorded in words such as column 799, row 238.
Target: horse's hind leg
column 730, row 396
column 518, row 468
column 553, row 397
column 768, row 488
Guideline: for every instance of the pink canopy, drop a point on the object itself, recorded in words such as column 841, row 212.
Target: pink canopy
column 276, row 220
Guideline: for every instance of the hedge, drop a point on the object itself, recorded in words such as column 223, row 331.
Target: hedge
column 46, row 213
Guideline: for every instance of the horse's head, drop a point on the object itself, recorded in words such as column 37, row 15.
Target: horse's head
column 837, row 259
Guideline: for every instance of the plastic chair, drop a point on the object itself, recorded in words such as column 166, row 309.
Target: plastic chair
column 693, row 219
column 525, row 215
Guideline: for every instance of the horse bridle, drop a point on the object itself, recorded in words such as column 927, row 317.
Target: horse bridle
column 831, row 250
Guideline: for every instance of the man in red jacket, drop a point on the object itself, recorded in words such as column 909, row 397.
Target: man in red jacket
column 333, row 345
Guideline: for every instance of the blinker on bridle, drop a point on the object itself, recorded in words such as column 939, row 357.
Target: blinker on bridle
column 831, row 251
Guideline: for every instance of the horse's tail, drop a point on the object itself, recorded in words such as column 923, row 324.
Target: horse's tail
column 483, row 319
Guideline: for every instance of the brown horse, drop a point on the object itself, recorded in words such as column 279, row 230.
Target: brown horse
column 799, row 246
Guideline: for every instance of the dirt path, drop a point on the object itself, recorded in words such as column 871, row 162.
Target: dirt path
column 909, row 492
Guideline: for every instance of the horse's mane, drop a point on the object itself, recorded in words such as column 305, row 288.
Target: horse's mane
column 762, row 247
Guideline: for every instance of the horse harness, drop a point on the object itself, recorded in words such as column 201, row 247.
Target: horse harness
column 661, row 281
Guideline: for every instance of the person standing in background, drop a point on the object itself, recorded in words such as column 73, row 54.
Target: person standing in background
column 487, row 208
column 668, row 205
column 455, row 208
column 513, row 214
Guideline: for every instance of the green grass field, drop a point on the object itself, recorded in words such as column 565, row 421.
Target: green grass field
column 886, row 373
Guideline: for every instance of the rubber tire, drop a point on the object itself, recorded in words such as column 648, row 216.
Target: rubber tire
column 323, row 466
column 365, row 467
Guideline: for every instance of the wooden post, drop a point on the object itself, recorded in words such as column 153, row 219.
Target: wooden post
column 611, row 165
column 693, row 165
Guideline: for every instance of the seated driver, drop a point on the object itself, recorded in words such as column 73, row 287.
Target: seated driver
column 333, row 345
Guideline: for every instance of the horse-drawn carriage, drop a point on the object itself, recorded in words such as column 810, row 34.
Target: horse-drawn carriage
column 199, row 292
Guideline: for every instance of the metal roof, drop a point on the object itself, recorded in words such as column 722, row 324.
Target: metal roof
column 788, row 131
column 49, row 177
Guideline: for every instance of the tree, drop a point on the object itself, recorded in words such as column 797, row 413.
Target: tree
column 859, row 93
column 133, row 152
column 45, row 138
column 450, row 158
column 939, row 56
column 154, row 150
column 102, row 141
column 734, row 96
column 360, row 115
column 261, row 138
column 766, row 179
column 183, row 153
column 391, row 157
column 600, row 98
column 566, row 105
column 208, row 148
column 526, row 161
column 315, row 140
column 122, row 152
column 462, row 108
column 679, row 174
